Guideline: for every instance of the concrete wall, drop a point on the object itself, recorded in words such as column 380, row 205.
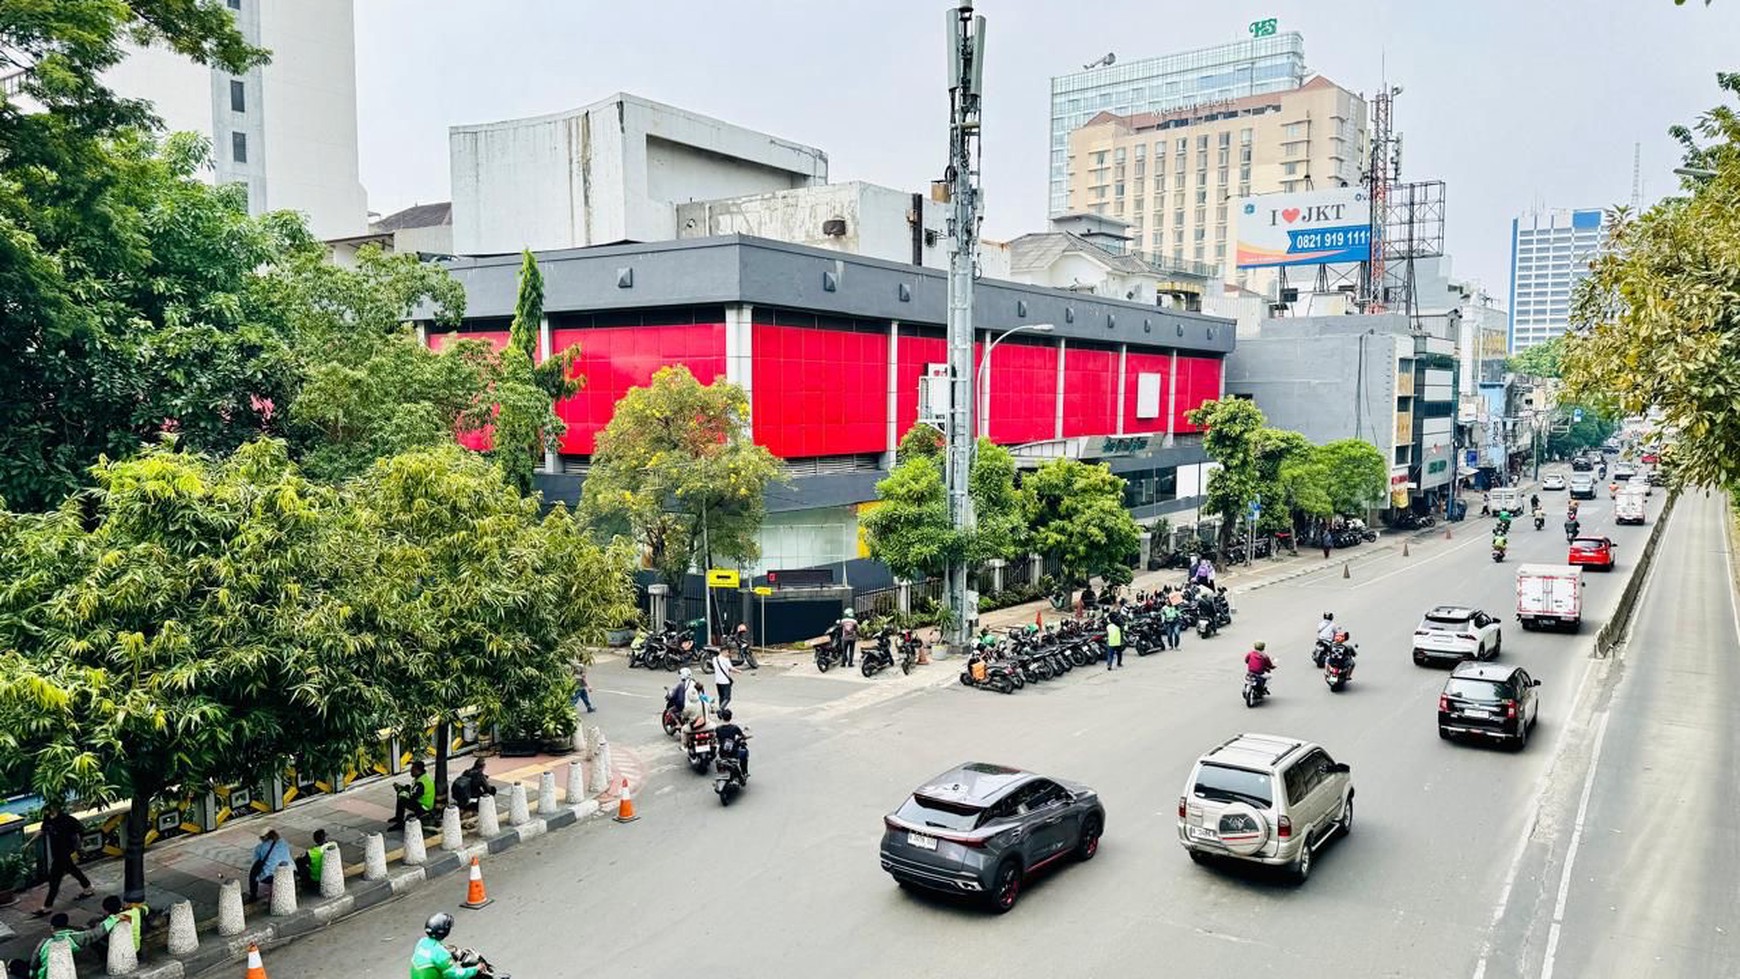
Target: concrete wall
column 1328, row 378
column 608, row 172
column 309, row 107
column 876, row 220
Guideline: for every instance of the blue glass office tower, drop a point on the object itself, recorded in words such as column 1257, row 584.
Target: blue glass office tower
column 1549, row 254
column 1174, row 81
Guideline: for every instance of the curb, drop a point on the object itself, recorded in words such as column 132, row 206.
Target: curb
column 1613, row 633
column 1373, row 551
column 360, row 895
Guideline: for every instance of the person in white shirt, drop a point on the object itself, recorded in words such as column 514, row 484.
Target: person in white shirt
column 723, row 671
column 1325, row 638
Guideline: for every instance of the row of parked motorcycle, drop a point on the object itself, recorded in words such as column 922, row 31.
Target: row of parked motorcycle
column 672, row 648
column 1028, row 654
column 890, row 647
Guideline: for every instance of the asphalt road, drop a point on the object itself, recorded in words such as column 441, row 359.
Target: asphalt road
column 786, row 881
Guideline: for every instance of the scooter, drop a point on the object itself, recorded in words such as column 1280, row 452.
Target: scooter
column 1256, row 688
column 729, row 777
column 671, row 719
column 909, row 646
column 1338, row 667
column 833, row 652
column 470, row 958
column 1540, row 520
column 879, row 657
column 981, row 672
column 1497, row 554
column 703, row 750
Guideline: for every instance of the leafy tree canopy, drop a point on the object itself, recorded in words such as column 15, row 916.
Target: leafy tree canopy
column 1656, row 325
column 1075, row 512
column 910, row 530
column 1540, row 360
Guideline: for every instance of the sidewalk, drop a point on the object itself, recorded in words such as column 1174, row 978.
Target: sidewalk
column 193, row 868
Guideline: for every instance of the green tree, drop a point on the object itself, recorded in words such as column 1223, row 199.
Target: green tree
column 910, row 530
column 920, row 440
column 999, row 521
column 1355, row 476
column 1655, row 324
column 181, row 624
column 1540, row 360
column 523, row 395
column 675, row 460
column 528, row 319
column 1575, row 436
column 489, row 603
column 1075, row 513
column 1231, row 430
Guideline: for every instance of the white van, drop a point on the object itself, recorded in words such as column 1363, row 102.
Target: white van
column 1549, row 595
column 1630, row 507
column 1508, row 498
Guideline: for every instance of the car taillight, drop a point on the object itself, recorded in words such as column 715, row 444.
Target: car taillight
column 1284, row 828
column 1419, row 632
column 1510, row 710
column 1180, row 807
column 1443, row 703
column 1466, row 635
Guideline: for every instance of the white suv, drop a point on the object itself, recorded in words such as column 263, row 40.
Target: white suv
column 1264, row 799
column 1456, row 633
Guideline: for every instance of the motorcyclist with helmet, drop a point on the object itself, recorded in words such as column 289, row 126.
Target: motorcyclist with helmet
column 1259, row 665
column 844, row 634
column 734, row 739
column 433, row 960
column 1326, row 630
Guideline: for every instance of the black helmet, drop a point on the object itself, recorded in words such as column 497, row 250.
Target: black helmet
column 439, row 925
column 1329, row 616
column 725, row 713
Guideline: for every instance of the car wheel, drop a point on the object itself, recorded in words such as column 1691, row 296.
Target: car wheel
column 1347, row 816
column 1419, row 660
column 1301, row 869
column 1200, row 857
column 1089, row 844
column 1006, row 887
column 1521, row 740
column 1480, row 652
column 1444, row 732
column 1497, row 643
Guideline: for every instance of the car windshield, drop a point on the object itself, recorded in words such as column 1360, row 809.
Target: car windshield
column 1223, row 784
column 1586, row 545
column 938, row 814
column 1486, row 691
column 1446, row 619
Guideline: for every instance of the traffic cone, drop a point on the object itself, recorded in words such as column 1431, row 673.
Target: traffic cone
column 1404, row 548
column 1447, row 533
column 475, row 896
column 625, row 806
column 255, row 969
column 1038, row 619
column 1344, row 573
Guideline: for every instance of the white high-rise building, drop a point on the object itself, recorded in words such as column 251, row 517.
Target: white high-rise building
column 288, row 129
column 1550, row 253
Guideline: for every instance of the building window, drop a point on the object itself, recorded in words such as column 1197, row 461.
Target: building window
column 1202, row 159
column 1245, row 173
column 1290, row 169
column 1224, row 157
column 1141, row 151
column 1295, row 130
column 1200, row 252
column 1245, row 138
column 1099, row 158
column 1220, row 176
column 238, row 96
column 1220, row 214
column 1244, row 154
column 1141, row 205
column 1178, row 180
column 1202, row 178
column 1183, row 143
column 1178, row 243
column 1226, row 137
column 1118, row 190
column 239, row 147
column 1245, row 189
column 1141, row 168
column 1201, row 216
column 235, row 4
column 1118, row 155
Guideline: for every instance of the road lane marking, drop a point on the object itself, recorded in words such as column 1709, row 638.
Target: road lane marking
column 1571, row 851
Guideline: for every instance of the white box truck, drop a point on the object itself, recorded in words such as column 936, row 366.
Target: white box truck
column 1630, row 507
column 1549, row 595
column 1510, row 498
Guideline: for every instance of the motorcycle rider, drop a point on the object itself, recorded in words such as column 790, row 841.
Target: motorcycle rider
column 1572, row 526
column 1534, row 502
column 433, row 960
column 1500, row 543
column 845, row 636
column 733, row 738
column 1258, row 664
column 1326, row 630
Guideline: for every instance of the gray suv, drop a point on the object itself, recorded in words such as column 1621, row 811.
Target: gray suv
column 1265, row 799
column 981, row 829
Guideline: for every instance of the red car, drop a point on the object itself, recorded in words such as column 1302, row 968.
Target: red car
column 1596, row 552
column 1651, row 458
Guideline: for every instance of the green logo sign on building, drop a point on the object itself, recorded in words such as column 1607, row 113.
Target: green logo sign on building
column 1264, row 28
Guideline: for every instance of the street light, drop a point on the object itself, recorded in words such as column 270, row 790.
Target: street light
column 982, row 379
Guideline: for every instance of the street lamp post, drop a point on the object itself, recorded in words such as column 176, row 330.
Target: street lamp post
column 982, row 380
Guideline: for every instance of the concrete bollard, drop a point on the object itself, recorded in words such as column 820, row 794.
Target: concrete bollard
column 60, row 960
column 452, row 837
column 183, row 938
column 123, row 955
column 488, row 821
column 593, row 736
column 517, row 813
column 578, row 745
column 283, row 890
column 231, row 920
column 375, row 857
column 416, row 854
column 332, row 872
column 601, row 767
column 547, row 794
column 576, row 782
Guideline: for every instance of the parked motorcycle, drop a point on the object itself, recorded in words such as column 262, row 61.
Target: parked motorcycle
column 1338, row 667
column 909, row 646
column 832, row 652
column 742, row 651
column 1256, row 688
column 982, row 672
column 880, row 656
column 729, row 778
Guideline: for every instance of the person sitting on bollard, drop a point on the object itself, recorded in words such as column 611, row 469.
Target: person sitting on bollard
column 416, row 799
column 61, row 927
column 114, row 911
column 309, row 864
column 268, row 854
column 471, row 786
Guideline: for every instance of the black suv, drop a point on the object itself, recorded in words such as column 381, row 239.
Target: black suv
column 981, row 829
column 1488, row 700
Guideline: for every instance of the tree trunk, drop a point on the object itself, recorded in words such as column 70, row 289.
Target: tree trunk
column 138, row 824
column 443, row 737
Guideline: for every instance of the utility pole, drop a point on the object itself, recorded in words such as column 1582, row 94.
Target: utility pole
column 966, row 78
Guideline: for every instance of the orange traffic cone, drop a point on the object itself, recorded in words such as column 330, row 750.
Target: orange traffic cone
column 475, row 896
column 625, row 807
column 1038, row 619
column 255, row 969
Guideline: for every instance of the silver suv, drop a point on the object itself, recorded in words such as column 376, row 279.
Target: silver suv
column 1265, row 799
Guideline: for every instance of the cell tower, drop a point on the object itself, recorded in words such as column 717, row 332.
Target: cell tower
column 1378, row 183
column 1636, row 177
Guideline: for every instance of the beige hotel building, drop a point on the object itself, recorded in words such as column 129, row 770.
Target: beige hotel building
column 1175, row 177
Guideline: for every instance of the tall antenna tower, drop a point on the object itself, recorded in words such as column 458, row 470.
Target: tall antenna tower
column 1636, row 177
column 1378, row 183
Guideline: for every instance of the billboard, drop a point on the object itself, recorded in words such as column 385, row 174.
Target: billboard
column 1318, row 227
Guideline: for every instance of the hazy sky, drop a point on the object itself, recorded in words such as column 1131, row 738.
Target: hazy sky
column 1514, row 103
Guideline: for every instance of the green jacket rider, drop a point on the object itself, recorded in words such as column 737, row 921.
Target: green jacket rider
column 433, row 960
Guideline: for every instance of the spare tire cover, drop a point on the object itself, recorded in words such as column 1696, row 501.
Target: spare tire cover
column 1242, row 829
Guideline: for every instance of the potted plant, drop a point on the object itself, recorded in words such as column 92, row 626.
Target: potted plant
column 17, row 871
column 623, row 634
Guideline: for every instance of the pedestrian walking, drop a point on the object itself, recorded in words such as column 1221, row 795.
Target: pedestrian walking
column 1114, row 641
column 1170, row 625
column 582, row 689
column 723, row 672
column 1326, row 542
column 62, row 831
